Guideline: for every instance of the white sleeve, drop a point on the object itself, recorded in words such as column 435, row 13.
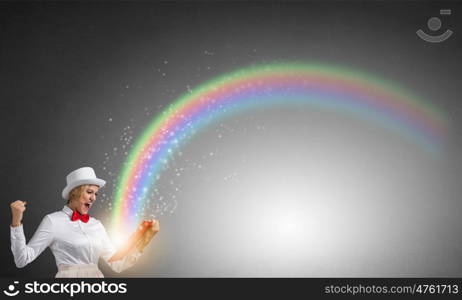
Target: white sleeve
column 24, row 254
column 109, row 250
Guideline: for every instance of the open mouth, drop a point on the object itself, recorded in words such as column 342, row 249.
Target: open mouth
column 87, row 205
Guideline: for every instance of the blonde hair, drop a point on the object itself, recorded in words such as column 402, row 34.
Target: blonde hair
column 76, row 192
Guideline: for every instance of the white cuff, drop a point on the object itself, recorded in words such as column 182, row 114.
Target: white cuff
column 17, row 232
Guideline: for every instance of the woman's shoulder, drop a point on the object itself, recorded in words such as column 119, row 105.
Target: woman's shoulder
column 56, row 215
column 97, row 224
column 94, row 220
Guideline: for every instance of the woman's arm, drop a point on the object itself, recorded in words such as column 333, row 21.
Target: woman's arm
column 131, row 258
column 109, row 250
column 25, row 253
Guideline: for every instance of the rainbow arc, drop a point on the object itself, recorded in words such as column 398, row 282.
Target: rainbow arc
column 319, row 86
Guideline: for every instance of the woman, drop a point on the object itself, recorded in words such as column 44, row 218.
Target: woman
column 76, row 239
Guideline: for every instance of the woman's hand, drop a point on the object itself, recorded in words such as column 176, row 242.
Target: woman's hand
column 17, row 209
column 153, row 228
column 138, row 240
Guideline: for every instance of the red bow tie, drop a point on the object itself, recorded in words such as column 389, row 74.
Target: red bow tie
column 77, row 216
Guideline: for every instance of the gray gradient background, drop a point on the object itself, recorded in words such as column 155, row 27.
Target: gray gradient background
column 272, row 192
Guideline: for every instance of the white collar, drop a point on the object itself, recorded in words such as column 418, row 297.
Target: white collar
column 67, row 210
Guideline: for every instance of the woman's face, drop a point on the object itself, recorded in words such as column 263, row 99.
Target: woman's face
column 84, row 203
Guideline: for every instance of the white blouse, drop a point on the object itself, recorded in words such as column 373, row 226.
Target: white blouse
column 72, row 242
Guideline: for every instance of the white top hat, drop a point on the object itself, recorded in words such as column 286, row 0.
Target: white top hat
column 85, row 175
